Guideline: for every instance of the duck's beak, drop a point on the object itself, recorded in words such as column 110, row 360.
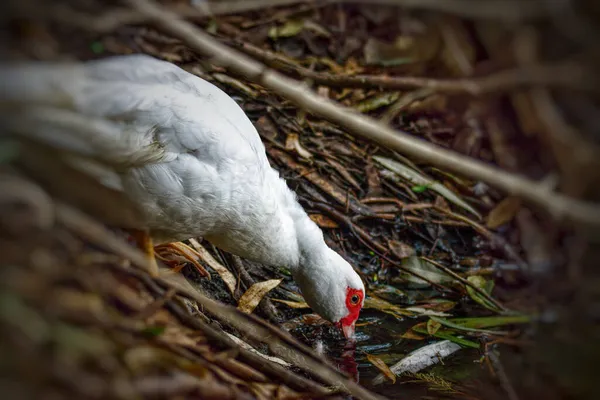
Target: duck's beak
column 348, row 330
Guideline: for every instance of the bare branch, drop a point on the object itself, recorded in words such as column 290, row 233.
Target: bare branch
column 563, row 75
column 559, row 206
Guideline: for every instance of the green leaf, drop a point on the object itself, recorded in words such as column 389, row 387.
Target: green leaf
column 290, row 28
column 154, row 331
column 444, row 334
column 450, row 324
column 376, row 303
column 486, row 286
column 419, row 188
column 425, row 269
column 489, row 322
column 375, row 102
column 433, row 326
column 418, row 180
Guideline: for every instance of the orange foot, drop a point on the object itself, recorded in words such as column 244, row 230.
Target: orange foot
column 176, row 254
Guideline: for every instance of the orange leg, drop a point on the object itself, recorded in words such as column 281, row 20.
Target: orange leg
column 183, row 253
column 144, row 242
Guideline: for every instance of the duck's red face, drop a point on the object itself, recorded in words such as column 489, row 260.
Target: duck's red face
column 354, row 303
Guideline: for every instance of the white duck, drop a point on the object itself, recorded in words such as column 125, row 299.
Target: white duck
column 192, row 160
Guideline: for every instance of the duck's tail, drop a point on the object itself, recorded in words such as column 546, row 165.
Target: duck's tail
column 39, row 102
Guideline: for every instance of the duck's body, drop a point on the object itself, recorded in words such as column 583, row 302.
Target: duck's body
column 186, row 153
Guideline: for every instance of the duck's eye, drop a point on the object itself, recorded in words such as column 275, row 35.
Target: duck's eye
column 354, row 299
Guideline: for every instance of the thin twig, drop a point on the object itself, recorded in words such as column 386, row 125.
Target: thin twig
column 466, row 282
column 561, row 207
column 565, row 75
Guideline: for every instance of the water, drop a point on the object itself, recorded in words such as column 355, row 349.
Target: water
column 380, row 335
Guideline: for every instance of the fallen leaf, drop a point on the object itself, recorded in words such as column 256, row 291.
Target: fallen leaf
column 323, row 221
column 223, row 272
column 486, row 286
column 291, row 28
column 441, row 203
column 376, row 102
column 255, row 294
column 452, row 325
column 387, row 292
column 401, row 249
column 410, row 334
column 504, row 212
column 433, row 326
column 239, row 85
column 446, row 335
column 376, row 303
column 266, row 128
column 419, row 188
column 292, row 304
column 258, row 353
column 405, row 49
column 489, row 322
column 421, row 358
column 438, row 305
column 425, row 269
column 373, row 180
column 421, row 183
column 382, row 366
column 426, row 311
column 153, row 331
column 292, row 142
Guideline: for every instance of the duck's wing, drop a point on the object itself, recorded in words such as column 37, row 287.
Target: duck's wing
column 128, row 109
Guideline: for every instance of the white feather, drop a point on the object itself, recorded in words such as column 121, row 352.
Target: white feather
column 186, row 153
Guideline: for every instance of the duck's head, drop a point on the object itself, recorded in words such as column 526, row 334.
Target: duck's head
column 332, row 289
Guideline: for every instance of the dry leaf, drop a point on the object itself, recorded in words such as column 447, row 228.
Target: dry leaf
column 504, row 212
column 401, row 249
column 223, row 272
column 323, row 221
column 292, row 142
column 382, row 366
column 441, row 203
column 254, row 295
column 292, row 304
column 266, row 128
column 418, row 180
column 410, row 334
column 433, row 326
column 376, row 303
column 246, row 346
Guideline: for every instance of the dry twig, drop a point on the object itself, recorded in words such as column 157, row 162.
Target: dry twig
column 561, row 75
